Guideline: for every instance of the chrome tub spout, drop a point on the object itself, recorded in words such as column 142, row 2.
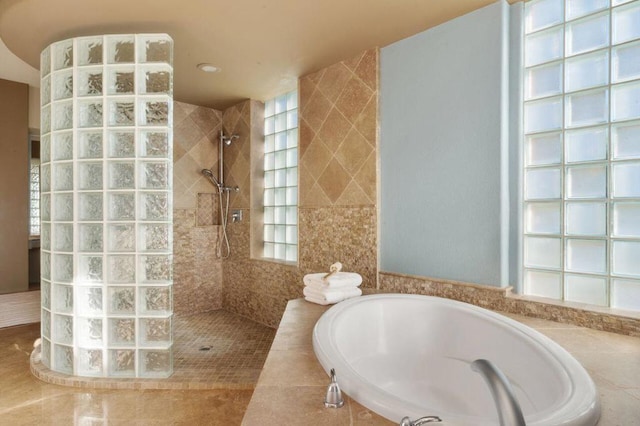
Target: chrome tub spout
column 509, row 410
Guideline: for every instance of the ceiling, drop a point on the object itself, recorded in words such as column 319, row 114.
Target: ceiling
column 262, row 46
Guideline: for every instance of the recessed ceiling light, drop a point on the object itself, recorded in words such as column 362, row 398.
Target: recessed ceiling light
column 208, row 68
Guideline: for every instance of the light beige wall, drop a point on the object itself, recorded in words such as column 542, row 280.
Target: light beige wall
column 14, row 187
column 34, row 108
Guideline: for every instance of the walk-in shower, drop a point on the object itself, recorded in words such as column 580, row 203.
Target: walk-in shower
column 222, row 191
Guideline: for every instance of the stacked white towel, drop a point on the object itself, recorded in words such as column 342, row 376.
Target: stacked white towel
column 325, row 290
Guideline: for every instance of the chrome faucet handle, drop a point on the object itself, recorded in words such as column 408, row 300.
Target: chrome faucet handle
column 333, row 398
column 406, row 421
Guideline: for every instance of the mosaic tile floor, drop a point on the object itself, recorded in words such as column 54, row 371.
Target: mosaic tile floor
column 213, row 350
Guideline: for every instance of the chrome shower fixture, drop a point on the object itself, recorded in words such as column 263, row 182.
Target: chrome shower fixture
column 228, row 139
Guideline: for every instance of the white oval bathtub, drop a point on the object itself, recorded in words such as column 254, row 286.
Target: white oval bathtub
column 409, row 355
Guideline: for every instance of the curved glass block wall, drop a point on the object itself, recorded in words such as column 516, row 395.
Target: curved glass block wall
column 106, row 205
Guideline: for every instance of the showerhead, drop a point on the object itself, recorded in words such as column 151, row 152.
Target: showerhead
column 228, row 139
column 209, row 174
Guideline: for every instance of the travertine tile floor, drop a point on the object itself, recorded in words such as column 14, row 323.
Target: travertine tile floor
column 238, row 350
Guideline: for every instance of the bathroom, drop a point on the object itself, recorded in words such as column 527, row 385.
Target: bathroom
column 339, row 211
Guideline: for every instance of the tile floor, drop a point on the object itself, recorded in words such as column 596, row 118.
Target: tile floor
column 238, row 350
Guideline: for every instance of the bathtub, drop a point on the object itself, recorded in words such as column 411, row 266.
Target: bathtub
column 408, row 355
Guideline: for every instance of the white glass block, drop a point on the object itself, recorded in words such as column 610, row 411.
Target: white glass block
column 269, row 108
column 269, row 179
column 625, row 101
column 269, row 125
column 91, row 236
column 292, row 138
column 155, row 48
column 586, row 108
column 90, row 144
column 626, row 220
column 542, row 218
column 619, row 2
column 586, row 219
column 122, row 112
column 90, row 51
column 122, row 175
column 45, row 236
column 280, row 214
column 625, row 258
column 626, row 180
column 269, row 197
column 62, row 116
column 45, row 206
column 279, row 234
column 578, row 8
column 542, row 252
column 292, row 196
column 280, row 196
column 120, row 49
column 543, row 284
column 46, row 352
column 542, row 184
column 121, row 81
column 280, row 178
column 584, row 289
column 625, row 294
column 154, row 175
column 90, row 113
column 154, row 206
column 156, row 363
column 292, row 100
column 543, row 115
column 626, row 62
column 587, row 34
column 45, row 91
column 46, row 323
column 280, row 122
column 155, row 113
column 62, row 268
column 90, row 82
column 122, row 362
column 586, row 182
column 155, row 269
column 626, row 23
column 292, row 176
column 62, row 237
column 155, row 331
column 63, row 298
column 121, row 237
column 269, row 143
column 63, row 207
column 63, row 329
column 155, row 300
column 62, row 53
column 279, row 251
column 281, row 104
column 586, row 144
column 90, row 176
column 280, row 159
column 63, row 359
column 269, row 161
column 269, row 232
column 585, row 71
column 90, row 269
column 291, row 235
column 544, row 46
column 586, row 256
column 45, row 178
column 122, row 300
column 62, row 146
column 280, row 141
column 89, row 332
column 121, row 206
column 89, row 362
column 542, row 13
column 122, row 144
column 268, row 250
column 62, row 84
column 292, row 157
column 268, row 215
column 45, row 265
column 45, row 149
column 154, row 144
column 292, row 253
column 154, row 238
column 45, row 62
column 155, row 80
column 121, row 269
column 292, row 119
column 542, row 81
column 63, row 177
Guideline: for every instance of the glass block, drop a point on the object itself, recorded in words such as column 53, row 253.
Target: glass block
column 45, row 265
column 122, row 144
column 292, row 100
column 292, row 196
column 155, row 331
column 122, row 300
column 154, row 144
column 292, row 253
column 89, row 332
column 291, row 236
column 154, row 237
column 292, row 119
column 543, row 115
column 62, row 116
column 587, row 34
column 542, row 218
column 154, row 206
column 89, row 301
column 62, row 298
column 586, row 219
column 269, row 143
column 625, row 258
column 45, row 91
column 45, row 294
column 122, row 362
column 89, row 362
column 280, row 251
column 90, row 82
column 268, row 215
column 45, row 178
column 625, row 294
column 63, row 329
column 120, row 49
column 268, row 198
column 90, row 144
column 280, row 122
column 542, row 13
column 90, row 237
column 624, row 21
column 587, row 108
column 46, row 323
column 544, row 46
column 155, row 113
column 543, row 284
column 45, row 62
column 90, row 269
column 62, row 237
column 586, row 256
column 122, row 175
column 122, row 269
column 280, row 215
column 62, row 268
column 280, row 196
column 90, row 206
column 543, row 81
column 292, row 157
column 156, row 81
column 269, row 126
column 122, row 206
column 578, row 8
column 280, row 104
column 269, row 108
column 122, row 332
column 63, row 359
column 155, row 48
column 63, row 207
column 626, row 220
column 292, row 176
column 291, row 215
column 268, row 250
column 89, row 51
column 584, row 289
column 626, row 180
column 586, row 182
column 269, row 161
column 542, row 252
column 62, row 146
column 269, row 179
column 624, row 101
column 90, row 175
column 586, row 144
column 63, row 177
column 62, row 85
column 156, row 300
column 542, row 183
column 280, row 141
column 154, row 175
column 121, row 81
column 62, row 53
column 280, row 159
column 122, row 112
column 46, row 352
column 626, row 62
column 45, row 119
column 155, row 268
column 155, row 363
column 269, row 233
column 90, row 113
column 279, row 178
column 121, row 237
column 585, row 71
column 45, row 149
column 292, row 138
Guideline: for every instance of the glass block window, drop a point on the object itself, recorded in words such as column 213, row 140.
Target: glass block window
column 582, row 151
column 34, row 197
column 281, row 178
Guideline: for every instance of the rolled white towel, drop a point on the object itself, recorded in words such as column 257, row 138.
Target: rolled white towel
column 337, row 280
column 330, row 296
